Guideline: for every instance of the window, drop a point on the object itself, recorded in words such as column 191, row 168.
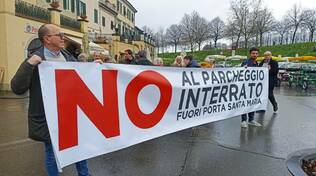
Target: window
column 118, row 6
column 124, row 11
column 121, row 12
column 83, row 10
column 119, row 28
column 78, row 7
column 66, row 4
column 72, row 6
column 128, row 17
column 112, row 25
column 103, row 21
column 96, row 16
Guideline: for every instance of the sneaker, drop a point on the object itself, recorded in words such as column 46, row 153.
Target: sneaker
column 254, row 123
column 244, row 124
column 275, row 109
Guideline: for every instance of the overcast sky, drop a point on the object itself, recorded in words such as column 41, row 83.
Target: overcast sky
column 163, row 13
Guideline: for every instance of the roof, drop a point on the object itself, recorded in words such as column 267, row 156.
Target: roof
column 105, row 7
column 130, row 5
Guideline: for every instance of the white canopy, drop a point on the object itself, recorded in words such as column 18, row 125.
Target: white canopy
column 93, row 47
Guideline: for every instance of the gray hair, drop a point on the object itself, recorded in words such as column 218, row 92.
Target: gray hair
column 42, row 31
column 267, row 53
column 83, row 57
column 158, row 61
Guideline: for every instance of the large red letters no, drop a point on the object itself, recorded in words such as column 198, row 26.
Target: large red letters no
column 142, row 80
column 72, row 92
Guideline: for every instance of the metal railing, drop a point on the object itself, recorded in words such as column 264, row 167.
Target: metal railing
column 31, row 11
column 69, row 23
column 100, row 38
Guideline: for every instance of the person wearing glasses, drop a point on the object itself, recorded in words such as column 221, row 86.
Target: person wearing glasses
column 27, row 78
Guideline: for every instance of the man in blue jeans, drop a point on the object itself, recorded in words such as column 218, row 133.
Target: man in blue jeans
column 251, row 62
column 27, row 78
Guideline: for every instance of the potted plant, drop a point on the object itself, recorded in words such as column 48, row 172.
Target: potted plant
column 83, row 16
column 54, row 4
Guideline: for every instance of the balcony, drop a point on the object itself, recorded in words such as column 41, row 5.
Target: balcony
column 69, row 23
column 100, row 38
column 30, row 11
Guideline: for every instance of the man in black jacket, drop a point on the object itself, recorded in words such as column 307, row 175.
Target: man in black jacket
column 27, row 78
column 251, row 62
column 273, row 67
column 142, row 60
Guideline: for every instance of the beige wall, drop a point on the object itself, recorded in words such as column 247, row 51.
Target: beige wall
column 91, row 5
column 125, row 20
column 108, row 18
column 14, row 42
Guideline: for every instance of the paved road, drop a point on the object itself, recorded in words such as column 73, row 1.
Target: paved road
column 217, row 149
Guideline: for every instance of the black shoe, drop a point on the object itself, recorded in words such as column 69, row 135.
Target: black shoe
column 261, row 111
column 275, row 108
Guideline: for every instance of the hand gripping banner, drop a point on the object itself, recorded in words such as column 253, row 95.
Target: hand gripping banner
column 94, row 109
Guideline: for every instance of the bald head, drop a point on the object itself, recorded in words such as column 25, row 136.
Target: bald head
column 51, row 37
column 44, row 30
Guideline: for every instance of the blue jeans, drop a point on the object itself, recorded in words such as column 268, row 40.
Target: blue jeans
column 251, row 116
column 51, row 166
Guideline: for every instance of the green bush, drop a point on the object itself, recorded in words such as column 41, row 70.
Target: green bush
column 303, row 49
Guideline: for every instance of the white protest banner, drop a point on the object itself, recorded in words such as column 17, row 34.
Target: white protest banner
column 93, row 109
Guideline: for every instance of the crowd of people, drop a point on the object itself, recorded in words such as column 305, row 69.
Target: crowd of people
column 27, row 79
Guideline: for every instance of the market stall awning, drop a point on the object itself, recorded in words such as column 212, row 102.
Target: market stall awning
column 93, row 47
column 76, row 40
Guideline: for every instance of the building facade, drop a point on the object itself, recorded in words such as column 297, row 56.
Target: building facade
column 82, row 21
column 20, row 21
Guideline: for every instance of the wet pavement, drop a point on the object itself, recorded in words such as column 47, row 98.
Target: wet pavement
column 217, row 149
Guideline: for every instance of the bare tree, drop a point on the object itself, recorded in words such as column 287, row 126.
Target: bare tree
column 217, row 27
column 230, row 31
column 265, row 23
column 187, row 30
column 282, row 28
column 296, row 18
column 160, row 38
column 200, row 29
column 173, row 36
column 233, row 32
column 245, row 13
column 148, row 30
column 310, row 22
column 239, row 12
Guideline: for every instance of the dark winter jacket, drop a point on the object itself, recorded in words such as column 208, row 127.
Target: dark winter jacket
column 273, row 72
column 27, row 78
column 250, row 63
column 143, row 61
column 193, row 64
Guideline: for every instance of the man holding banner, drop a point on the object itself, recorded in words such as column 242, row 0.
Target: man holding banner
column 251, row 62
column 27, row 78
column 93, row 109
